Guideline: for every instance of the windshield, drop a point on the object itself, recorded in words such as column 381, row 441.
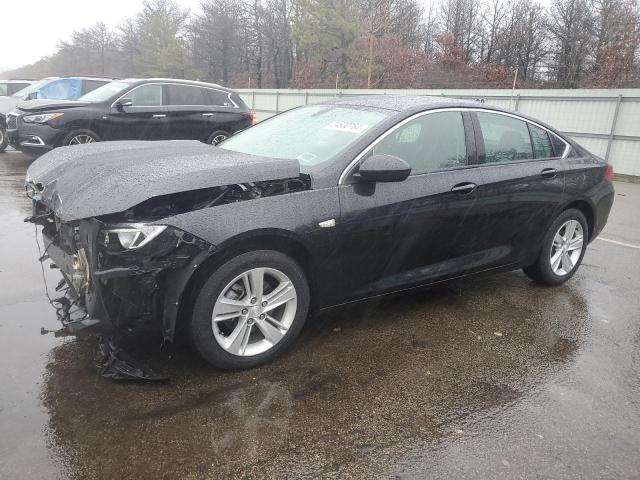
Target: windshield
column 105, row 92
column 22, row 94
column 311, row 134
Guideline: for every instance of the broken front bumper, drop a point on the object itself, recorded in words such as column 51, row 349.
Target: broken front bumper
column 105, row 290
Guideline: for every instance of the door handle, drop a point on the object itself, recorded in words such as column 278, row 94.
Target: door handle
column 159, row 115
column 208, row 114
column 466, row 187
column 549, row 172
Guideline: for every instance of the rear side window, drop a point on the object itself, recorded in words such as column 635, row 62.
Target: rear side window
column 506, row 139
column 185, row 95
column 4, row 89
column 218, row 98
column 146, row 96
column 428, row 143
column 541, row 144
column 558, row 145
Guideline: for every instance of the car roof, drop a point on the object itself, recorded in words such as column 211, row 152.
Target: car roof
column 404, row 103
column 177, row 80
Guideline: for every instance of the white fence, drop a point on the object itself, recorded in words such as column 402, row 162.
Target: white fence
column 606, row 122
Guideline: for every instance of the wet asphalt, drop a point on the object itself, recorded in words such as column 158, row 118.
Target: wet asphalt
column 490, row 377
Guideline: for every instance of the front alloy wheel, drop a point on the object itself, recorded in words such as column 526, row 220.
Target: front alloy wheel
column 254, row 311
column 80, row 139
column 249, row 309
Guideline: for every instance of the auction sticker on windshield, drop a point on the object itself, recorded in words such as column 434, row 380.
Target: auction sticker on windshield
column 350, row 127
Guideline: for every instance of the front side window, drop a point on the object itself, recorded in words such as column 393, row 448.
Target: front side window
column 146, row 96
column 428, row 143
column 185, row 95
column 506, row 139
column 313, row 134
column 541, row 143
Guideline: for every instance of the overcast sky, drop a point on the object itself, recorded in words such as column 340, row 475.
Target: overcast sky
column 31, row 30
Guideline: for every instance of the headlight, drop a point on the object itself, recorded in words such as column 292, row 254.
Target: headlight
column 135, row 235
column 41, row 117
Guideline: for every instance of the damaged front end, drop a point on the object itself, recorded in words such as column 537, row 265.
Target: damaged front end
column 127, row 272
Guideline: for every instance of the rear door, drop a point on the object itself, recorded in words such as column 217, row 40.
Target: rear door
column 522, row 185
column 144, row 119
column 396, row 235
column 187, row 112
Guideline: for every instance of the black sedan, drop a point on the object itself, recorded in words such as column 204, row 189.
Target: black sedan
column 320, row 206
column 150, row 109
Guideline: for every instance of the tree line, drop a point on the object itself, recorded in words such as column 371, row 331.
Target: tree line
column 364, row 43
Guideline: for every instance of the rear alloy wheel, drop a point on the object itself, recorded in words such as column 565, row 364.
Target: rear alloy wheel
column 80, row 137
column 562, row 251
column 216, row 137
column 250, row 309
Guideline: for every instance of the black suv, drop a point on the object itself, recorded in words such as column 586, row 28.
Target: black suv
column 132, row 109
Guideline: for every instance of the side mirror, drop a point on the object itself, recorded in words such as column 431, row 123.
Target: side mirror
column 124, row 102
column 384, row 168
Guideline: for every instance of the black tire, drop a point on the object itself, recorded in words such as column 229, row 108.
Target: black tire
column 216, row 137
column 4, row 140
column 79, row 133
column 541, row 270
column 201, row 329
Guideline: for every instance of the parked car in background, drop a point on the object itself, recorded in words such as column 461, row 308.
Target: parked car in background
column 56, row 88
column 9, row 87
column 319, row 206
column 133, row 109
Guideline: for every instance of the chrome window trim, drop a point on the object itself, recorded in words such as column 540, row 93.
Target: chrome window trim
column 347, row 170
column 174, row 83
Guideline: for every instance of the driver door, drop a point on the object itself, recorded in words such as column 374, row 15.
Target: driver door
column 403, row 234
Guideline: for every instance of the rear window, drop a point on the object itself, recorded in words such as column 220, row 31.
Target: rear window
column 541, row 144
column 218, row 98
column 186, row 95
column 506, row 139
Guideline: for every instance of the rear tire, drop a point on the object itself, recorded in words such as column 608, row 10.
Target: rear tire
column 237, row 321
column 216, row 137
column 4, row 140
column 563, row 248
column 81, row 136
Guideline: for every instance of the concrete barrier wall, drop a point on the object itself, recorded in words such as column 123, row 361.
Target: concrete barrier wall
column 606, row 122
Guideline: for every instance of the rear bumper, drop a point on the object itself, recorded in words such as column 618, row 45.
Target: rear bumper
column 604, row 202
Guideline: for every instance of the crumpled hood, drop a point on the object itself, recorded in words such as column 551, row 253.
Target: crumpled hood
column 90, row 180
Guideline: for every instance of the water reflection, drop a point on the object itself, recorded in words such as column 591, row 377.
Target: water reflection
column 360, row 387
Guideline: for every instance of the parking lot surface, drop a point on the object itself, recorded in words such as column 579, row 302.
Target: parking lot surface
column 490, row 377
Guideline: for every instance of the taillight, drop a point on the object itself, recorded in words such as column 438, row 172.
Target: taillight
column 608, row 173
column 251, row 116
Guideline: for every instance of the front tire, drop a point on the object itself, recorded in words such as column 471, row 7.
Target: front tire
column 563, row 248
column 79, row 137
column 250, row 310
